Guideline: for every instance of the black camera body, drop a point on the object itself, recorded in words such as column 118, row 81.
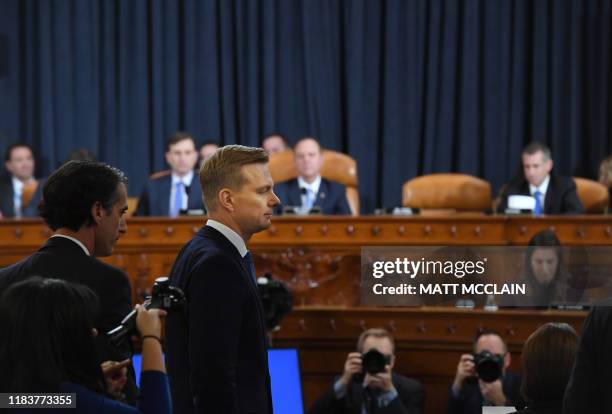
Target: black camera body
column 276, row 299
column 489, row 366
column 372, row 362
column 163, row 296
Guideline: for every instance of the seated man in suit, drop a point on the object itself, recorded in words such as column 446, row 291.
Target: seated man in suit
column 170, row 192
column 20, row 192
column 309, row 189
column 357, row 392
column 274, row 143
column 553, row 194
column 84, row 203
column 469, row 393
column 207, row 149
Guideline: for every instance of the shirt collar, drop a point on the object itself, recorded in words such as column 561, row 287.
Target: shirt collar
column 229, row 234
column 186, row 179
column 543, row 187
column 17, row 185
column 314, row 186
column 77, row 241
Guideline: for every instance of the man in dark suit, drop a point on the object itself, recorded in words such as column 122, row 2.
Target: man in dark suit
column 356, row 392
column 588, row 390
column 167, row 193
column 553, row 194
column 84, row 204
column 20, row 192
column 468, row 393
column 217, row 347
column 309, row 189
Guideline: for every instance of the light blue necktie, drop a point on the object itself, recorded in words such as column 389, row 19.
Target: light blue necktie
column 178, row 199
column 309, row 198
column 537, row 210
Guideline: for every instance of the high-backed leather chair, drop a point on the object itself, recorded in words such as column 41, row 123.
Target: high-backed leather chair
column 447, row 194
column 336, row 166
column 593, row 195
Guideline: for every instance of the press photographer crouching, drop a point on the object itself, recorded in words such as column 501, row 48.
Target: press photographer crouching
column 483, row 378
column 48, row 345
column 368, row 384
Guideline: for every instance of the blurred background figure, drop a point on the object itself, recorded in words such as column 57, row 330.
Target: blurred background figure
column 20, row 191
column 548, row 357
column 274, row 143
column 45, row 352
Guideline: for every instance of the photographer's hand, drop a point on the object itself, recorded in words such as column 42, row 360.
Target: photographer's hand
column 465, row 369
column 149, row 325
column 352, row 366
column 493, row 392
column 382, row 380
column 115, row 375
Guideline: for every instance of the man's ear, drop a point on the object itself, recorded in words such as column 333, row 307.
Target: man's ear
column 97, row 212
column 226, row 199
column 507, row 360
column 549, row 165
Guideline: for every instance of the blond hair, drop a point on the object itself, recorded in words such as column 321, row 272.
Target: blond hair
column 377, row 333
column 223, row 169
column 605, row 172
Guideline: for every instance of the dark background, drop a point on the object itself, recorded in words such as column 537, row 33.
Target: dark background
column 407, row 87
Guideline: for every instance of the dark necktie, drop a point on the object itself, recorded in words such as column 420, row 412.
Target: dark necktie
column 248, row 259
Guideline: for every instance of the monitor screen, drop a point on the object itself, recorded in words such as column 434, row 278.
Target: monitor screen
column 285, row 376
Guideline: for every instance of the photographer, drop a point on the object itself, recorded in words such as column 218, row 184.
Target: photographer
column 360, row 390
column 483, row 379
column 48, row 345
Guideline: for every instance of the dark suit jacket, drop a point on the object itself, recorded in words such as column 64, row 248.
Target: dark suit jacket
column 155, row 197
column 588, row 390
column 61, row 258
column 6, row 199
column 561, row 196
column 553, row 407
column 331, row 196
column 410, row 399
column 469, row 400
column 217, row 348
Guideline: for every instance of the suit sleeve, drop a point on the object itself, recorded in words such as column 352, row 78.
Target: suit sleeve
column 343, row 206
column 327, row 404
column 143, row 208
column 411, row 400
column 570, row 203
column 217, row 292
column 120, row 304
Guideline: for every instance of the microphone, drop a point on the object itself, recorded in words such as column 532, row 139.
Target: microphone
column 303, row 191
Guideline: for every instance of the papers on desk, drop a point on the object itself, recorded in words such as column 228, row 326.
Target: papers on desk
column 498, row 410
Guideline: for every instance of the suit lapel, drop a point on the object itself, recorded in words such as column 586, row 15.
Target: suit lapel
column 195, row 194
column 322, row 195
column 549, row 200
column 163, row 199
column 293, row 193
column 246, row 272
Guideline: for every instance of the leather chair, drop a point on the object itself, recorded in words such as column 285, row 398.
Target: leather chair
column 439, row 194
column 336, row 166
column 593, row 195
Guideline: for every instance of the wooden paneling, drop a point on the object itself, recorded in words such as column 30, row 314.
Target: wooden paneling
column 319, row 258
column 429, row 341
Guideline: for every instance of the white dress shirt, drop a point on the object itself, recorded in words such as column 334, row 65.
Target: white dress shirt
column 77, row 241
column 313, row 186
column 229, row 234
column 542, row 188
column 186, row 179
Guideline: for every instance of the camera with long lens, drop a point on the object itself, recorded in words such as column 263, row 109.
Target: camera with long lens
column 276, row 299
column 163, row 296
column 489, row 366
column 372, row 362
